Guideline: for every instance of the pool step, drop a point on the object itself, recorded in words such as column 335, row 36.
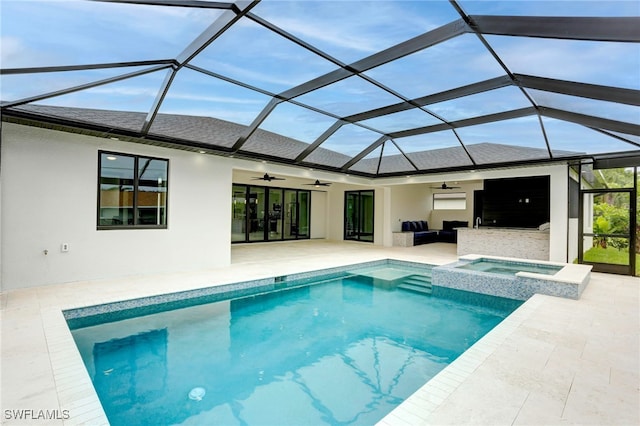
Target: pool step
column 417, row 283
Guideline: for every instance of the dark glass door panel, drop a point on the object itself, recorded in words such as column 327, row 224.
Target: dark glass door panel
column 239, row 213
column 256, row 213
column 351, row 216
column 366, row 216
column 274, row 231
column 291, row 214
column 304, row 213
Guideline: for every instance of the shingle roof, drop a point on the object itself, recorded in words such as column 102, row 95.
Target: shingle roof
column 217, row 133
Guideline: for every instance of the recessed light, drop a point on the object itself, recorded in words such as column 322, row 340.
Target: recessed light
column 202, row 152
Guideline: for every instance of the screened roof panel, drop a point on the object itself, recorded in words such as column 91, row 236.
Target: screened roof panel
column 250, row 53
column 428, row 141
column 392, row 160
column 352, row 30
column 273, row 144
column 369, row 164
column 18, row 86
column 334, row 83
column 522, row 132
column 349, row 96
column 485, row 103
column 350, row 140
column 630, row 138
column 196, row 94
column 457, row 62
column 326, row 157
column 409, row 119
column 485, row 153
column 297, row 122
column 443, row 158
column 549, row 8
column 132, row 94
column 48, row 33
column 596, row 108
column 605, row 63
column 438, row 150
column 571, row 137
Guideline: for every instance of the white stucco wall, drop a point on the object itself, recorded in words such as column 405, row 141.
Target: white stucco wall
column 409, row 202
column 319, row 214
column 49, row 197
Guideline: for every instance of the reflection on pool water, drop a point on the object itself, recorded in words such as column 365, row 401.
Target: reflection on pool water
column 344, row 351
column 509, row 268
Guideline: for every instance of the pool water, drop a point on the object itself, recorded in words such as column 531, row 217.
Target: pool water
column 509, row 268
column 344, row 351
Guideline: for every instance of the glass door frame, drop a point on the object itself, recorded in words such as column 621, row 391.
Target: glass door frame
column 610, row 268
column 357, row 228
column 267, row 237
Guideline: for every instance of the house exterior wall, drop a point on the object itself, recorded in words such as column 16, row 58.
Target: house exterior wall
column 49, row 197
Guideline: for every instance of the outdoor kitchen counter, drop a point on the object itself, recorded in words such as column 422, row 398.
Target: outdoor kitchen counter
column 524, row 243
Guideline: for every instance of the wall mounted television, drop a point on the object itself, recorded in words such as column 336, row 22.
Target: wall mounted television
column 516, row 202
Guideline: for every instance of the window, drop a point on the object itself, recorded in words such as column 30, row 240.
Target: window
column 132, row 191
column 450, row 201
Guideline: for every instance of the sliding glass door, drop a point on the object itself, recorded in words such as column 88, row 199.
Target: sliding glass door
column 261, row 213
column 359, row 215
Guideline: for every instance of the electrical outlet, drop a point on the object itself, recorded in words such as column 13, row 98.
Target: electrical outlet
column 64, row 247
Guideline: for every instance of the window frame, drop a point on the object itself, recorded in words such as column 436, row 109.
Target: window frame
column 135, row 206
column 448, row 196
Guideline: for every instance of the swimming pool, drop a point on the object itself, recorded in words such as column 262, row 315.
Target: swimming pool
column 340, row 350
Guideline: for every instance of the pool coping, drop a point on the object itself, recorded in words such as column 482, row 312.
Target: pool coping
column 77, row 394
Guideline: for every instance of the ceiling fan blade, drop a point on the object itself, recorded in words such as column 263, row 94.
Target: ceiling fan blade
column 445, row 186
column 318, row 183
column 267, row 178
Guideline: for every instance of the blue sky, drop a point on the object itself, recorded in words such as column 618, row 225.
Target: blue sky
column 55, row 32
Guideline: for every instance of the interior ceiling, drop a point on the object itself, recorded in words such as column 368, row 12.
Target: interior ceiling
column 376, row 89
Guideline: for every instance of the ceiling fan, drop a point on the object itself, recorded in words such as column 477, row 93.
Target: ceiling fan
column 317, row 183
column 445, row 186
column 267, row 178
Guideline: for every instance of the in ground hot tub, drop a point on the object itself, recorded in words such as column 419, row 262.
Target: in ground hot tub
column 513, row 278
